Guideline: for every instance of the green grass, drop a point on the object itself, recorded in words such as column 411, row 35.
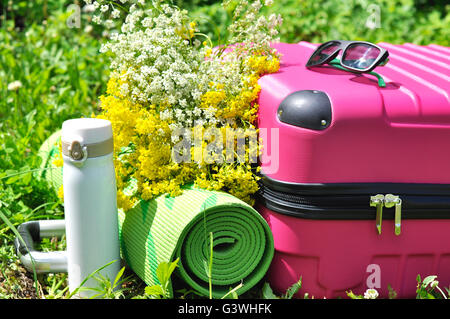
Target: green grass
column 399, row 21
column 62, row 74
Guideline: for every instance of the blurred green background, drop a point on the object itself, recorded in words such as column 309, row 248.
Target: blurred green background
column 61, row 75
column 395, row 21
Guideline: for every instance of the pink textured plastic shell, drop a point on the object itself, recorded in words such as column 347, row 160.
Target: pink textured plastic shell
column 397, row 134
column 335, row 256
column 400, row 133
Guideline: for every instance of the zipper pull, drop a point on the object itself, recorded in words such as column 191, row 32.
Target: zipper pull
column 378, row 202
column 391, row 201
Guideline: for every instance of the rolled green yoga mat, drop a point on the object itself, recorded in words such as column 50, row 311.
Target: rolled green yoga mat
column 49, row 151
column 167, row 228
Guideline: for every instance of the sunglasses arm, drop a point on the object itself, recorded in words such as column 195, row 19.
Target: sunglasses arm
column 336, row 63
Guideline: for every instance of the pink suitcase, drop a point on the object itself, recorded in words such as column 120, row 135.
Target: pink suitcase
column 346, row 156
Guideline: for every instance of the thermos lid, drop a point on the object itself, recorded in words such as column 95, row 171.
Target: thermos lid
column 86, row 137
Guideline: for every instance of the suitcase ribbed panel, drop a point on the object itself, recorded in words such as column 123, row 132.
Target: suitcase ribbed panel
column 426, row 76
column 429, row 52
column 440, row 48
column 396, row 134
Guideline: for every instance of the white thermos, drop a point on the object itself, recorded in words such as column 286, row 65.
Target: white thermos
column 89, row 202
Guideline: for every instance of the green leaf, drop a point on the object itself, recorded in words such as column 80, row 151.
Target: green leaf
column 292, row 290
column 267, row 292
column 161, row 272
column 26, row 179
column 351, row 295
column 12, row 180
column 91, row 275
column 154, row 290
column 232, row 294
column 165, row 270
column 19, row 237
column 119, row 275
column 428, row 280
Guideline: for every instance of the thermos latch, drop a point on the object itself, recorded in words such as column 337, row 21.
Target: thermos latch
column 77, row 152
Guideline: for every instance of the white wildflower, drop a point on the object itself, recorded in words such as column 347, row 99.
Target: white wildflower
column 175, row 138
column 104, row 8
column 14, row 86
column 183, row 103
column 115, row 14
column 434, row 284
column 165, row 115
column 173, row 126
column 197, row 111
column 88, row 28
column 89, row 8
column 371, row 294
column 97, row 19
column 160, row 66
column 109, row 23
column 199, row 122
column 213, row 121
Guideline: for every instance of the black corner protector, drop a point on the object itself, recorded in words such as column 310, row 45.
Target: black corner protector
column 309, row 109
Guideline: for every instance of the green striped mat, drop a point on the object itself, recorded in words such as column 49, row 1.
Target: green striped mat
column 167, row 228
column 48, row 152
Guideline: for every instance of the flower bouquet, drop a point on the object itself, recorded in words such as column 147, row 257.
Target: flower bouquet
column 183, row 109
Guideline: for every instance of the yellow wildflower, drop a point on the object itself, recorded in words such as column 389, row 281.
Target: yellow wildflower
column 143, row 145
column 58, row 161
column 61, row 193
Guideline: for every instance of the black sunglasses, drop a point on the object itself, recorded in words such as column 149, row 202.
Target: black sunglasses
column 357, row 56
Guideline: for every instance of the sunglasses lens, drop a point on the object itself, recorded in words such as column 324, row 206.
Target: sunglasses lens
column 360, row 56
column 322, row 54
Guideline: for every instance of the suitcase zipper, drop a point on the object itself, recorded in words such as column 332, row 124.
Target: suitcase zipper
column 387, row 201
column 391, row 201
column 378, row 202
column 350, row 201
